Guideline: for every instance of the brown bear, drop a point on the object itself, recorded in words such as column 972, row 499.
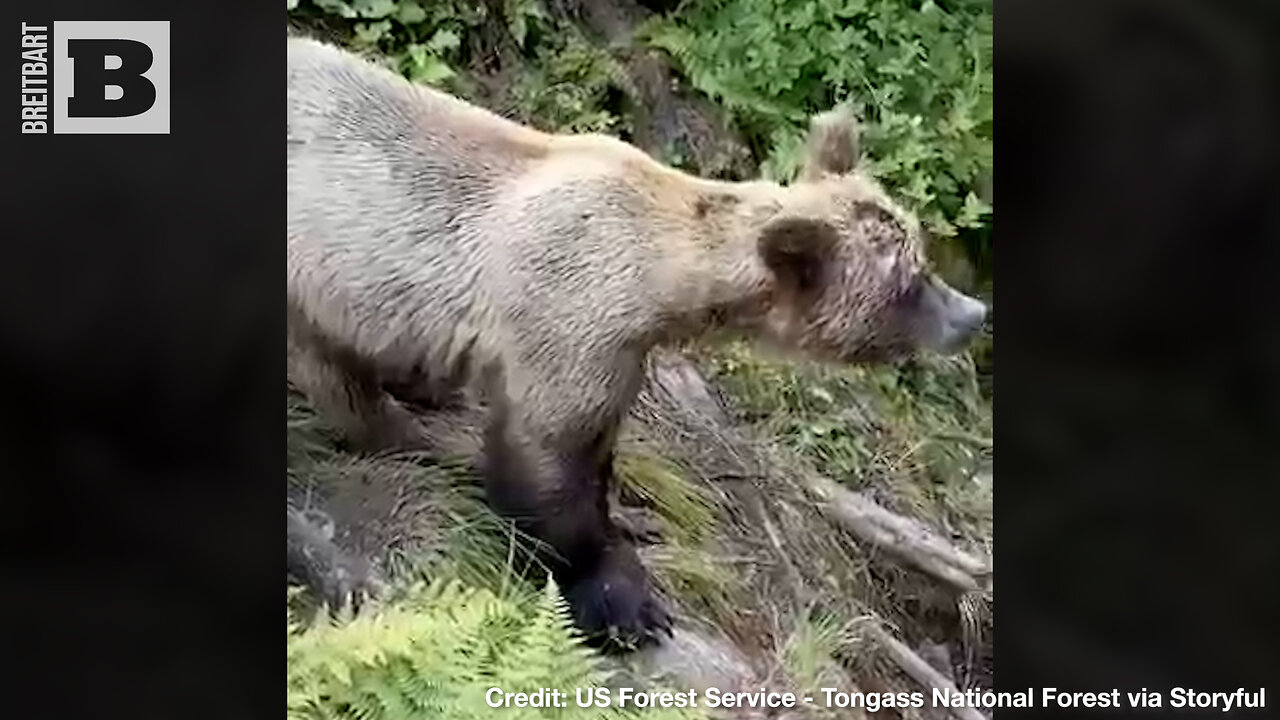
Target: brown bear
column 434, row 245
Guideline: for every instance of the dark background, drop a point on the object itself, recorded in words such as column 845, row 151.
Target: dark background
column 141, row 342
column 1139, row 358
column 1140, row 366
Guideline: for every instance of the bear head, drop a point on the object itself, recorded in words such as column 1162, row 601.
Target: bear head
column 851, row 281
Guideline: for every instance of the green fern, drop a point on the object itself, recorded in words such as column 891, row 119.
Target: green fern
column 437, row 654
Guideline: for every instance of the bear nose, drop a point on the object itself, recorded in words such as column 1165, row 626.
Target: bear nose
column 963, row 315
column 971, row 314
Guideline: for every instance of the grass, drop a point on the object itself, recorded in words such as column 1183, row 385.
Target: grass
column 915, row 436
column 686, row 512
column 432, row 519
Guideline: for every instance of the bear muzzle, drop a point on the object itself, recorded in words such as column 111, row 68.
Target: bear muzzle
column 952, row 319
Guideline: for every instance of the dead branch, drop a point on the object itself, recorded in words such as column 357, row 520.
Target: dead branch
column 920, row 671
column 908, row 540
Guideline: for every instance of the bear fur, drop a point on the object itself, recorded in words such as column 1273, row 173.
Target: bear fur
column 435, row 246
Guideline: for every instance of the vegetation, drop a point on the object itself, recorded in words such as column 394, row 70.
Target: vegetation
column 438, row 653
column 917, row 437
column 909, row 432
column 919, row 76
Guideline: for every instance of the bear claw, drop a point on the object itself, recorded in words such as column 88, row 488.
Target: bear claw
column 617, row 605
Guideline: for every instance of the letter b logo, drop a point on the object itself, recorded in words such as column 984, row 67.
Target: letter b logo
column 111, row 77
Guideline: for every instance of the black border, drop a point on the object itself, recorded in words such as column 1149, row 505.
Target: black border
column 1139, row 395
column 141, row 342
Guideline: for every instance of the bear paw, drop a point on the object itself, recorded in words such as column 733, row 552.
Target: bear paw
column 616, row 604
column 336, row 579
column 348, row 585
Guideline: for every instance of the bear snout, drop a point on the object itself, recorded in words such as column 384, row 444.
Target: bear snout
column 955, row 318
column 968, row 314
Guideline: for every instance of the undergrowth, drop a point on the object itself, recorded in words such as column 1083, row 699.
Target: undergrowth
column 423, row 39
column 438, row 525
column 918, row 436
column 438, row 653
column 919, row 74
column 466, row 612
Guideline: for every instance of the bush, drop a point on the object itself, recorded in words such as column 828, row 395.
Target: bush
column 423, row 38
column 918, row 74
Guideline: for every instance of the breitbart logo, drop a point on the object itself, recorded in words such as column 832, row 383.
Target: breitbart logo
column 89, row 77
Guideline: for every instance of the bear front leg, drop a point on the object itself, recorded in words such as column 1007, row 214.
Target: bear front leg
column 558, row 494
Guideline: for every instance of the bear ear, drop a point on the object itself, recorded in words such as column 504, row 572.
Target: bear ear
column 797, row 251
column 833, row 144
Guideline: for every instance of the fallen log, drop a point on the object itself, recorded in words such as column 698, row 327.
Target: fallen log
column 908, row 540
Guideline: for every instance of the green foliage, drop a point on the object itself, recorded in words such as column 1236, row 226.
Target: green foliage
column 563, row 81
column 706, row 584
column 917, row 431
column 566, row 85
column 423, row 38
column 810, row 653
column 438, row 653
column 918, row 74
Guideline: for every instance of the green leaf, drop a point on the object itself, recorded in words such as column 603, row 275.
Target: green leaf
column 421, row 65
column 518, row 22
column 371, row 33
column 337, row 7
column 374, row 9
column 973, row 211
column 937, row 224
column 444, row 40
column 410, row 13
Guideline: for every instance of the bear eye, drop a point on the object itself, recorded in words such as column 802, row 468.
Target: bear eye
column 881, row 229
